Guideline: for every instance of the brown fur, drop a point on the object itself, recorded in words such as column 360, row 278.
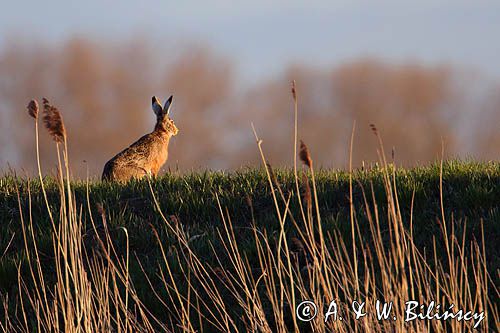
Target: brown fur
column 145, row 156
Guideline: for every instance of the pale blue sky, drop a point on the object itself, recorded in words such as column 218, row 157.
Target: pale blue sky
column 262, row 37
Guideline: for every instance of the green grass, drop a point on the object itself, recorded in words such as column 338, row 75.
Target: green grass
column 471, row 193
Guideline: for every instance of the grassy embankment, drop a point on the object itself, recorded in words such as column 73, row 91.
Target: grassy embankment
column 240, row 251
column 190, row 204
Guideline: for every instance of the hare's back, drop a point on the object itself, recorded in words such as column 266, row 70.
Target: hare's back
column 133, row 158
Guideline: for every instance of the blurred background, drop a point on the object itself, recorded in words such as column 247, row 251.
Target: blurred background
column 423, row 72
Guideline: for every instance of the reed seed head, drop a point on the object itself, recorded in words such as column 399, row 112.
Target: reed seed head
column 296, row 245
column 33, row 108
column 304, row 154
column 53, row 122
column 221, row 274
column 294, row 91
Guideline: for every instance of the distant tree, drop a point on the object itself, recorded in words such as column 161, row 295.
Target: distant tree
column 407, row 103
column 202, row 83
column 103, row 90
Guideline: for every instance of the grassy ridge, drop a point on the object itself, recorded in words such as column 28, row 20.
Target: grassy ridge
column 471, row 194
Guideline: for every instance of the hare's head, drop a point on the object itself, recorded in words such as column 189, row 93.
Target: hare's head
column 163, row 121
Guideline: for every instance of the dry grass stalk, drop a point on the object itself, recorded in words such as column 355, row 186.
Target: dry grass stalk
column 53, row 122
column 249, row 201
column 272, row 174
column 101, row 210
column 295, row 135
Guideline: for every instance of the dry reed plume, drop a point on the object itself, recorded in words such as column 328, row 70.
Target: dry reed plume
column 304, row 155
column 53, row 122
column 33, row 109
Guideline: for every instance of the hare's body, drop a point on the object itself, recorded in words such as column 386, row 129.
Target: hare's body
column 146, row 155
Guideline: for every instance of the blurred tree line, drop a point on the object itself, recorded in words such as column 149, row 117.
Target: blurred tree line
column 103, row 91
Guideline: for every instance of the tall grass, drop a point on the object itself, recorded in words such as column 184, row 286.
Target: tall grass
column 91, row 289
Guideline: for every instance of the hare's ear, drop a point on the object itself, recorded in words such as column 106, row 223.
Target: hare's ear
column 157, row 106
column 168, row 104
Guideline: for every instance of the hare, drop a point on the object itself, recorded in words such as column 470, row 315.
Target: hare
column 146, row 155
